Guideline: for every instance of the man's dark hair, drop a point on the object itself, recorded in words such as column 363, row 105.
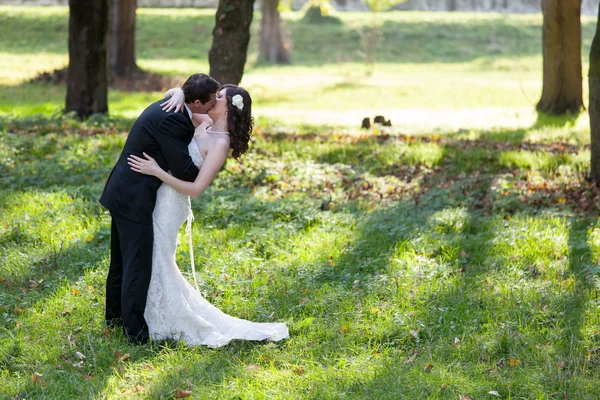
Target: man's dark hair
column 199, row 87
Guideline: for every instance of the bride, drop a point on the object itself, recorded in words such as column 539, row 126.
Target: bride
column 174, row 309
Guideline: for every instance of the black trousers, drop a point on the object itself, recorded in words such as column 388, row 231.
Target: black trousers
column 129, row 276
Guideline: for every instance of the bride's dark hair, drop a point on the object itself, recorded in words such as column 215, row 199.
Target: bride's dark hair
column 239, row 122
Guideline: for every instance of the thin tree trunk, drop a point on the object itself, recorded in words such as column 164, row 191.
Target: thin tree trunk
column 594, row 104
column 562, row 87
column 121, row 57
column 87, row 84
column 231, row 35
column 273, row 48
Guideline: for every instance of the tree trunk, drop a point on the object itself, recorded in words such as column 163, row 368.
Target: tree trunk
column 273, row 48
column 561, row 35
column 594, row 104
column 87, row 84
column 231, row 36
column 121, row 56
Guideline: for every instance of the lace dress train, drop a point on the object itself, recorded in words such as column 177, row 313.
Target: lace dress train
column 176, row 310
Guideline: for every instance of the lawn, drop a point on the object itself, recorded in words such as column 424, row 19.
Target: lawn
column 446, row 259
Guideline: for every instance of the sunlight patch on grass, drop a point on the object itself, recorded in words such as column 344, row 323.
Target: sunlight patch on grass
column 16, row 68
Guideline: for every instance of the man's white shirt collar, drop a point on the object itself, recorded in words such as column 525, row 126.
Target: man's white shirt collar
column 188, row 110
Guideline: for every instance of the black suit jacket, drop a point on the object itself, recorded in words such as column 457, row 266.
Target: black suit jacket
column 165, row 136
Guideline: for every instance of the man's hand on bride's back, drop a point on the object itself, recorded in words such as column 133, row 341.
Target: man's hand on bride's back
column 175, row 102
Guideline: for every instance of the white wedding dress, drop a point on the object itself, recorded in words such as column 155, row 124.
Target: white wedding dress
column 174, row 309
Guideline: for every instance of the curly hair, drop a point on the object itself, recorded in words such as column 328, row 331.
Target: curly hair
column 239, row 122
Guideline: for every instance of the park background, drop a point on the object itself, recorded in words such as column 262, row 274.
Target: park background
column 452, row 255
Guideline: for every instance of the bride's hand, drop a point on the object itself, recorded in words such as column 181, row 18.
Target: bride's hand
column 175, row 102
column 145, row 166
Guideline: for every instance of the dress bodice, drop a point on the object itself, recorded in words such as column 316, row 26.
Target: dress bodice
column 195, row 154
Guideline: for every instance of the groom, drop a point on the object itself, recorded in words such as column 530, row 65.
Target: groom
column 130, row 198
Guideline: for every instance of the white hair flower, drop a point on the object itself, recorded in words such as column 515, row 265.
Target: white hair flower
column 238, row 101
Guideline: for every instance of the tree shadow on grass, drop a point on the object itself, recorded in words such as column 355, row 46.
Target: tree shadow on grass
column 555, row 121
column 49, row 320
column 469, row 290
column 464, row 260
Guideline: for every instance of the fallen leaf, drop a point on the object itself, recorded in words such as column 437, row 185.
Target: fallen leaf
column 18, row 324
column 560, row 364
column 75, row 292
column 298, row 370
column 87, row 377
column 428, row 367
column 123, row 357
column 139, row 388
column 182, row 394
column 513, row 362
column 36, row 378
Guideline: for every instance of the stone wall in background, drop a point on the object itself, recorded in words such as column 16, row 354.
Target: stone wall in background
column 514, row 6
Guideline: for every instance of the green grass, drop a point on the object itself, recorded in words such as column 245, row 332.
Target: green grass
column 469, row 255
column 453, row 255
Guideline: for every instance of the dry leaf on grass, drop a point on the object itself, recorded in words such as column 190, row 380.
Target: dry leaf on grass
column 37, row 379
column 121, row 357
column 182, row 394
